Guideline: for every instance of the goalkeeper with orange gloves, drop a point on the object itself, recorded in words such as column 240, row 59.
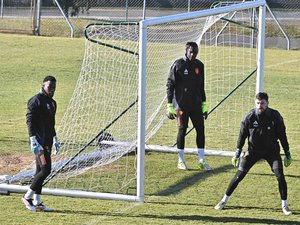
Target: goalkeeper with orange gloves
column 263, row 127
column 185, row 90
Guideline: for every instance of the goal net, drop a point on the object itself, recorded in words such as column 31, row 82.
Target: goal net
column 118, row 108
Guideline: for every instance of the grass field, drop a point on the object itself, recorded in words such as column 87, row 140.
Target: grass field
column 171, row 196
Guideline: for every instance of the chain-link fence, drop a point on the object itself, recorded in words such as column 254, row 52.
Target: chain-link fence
column 69, row 17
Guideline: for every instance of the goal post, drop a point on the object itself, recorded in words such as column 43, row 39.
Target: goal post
column 118, row 108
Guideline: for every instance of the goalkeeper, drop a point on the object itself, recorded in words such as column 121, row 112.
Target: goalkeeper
column 263, row 127
column 185, row 87
column 40, row 119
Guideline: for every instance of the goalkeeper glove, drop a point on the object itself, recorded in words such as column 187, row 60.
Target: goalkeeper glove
column 56, row 145
column 35, row 146
column 236, row 159
column 204, row 110
column 287, row 159
column 171, row 111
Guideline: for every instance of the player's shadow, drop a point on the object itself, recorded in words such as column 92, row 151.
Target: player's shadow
column 190, row 180
column 196, row 218
column 220, row 219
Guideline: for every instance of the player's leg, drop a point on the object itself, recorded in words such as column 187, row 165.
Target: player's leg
column 198, row 123
column 27, row 198
column 182, row 122
column 247, row 161
column 277, row 167
column 45, row 171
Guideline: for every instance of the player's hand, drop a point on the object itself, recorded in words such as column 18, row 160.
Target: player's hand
column 35, row 146
column 56, row 145
column 235, row 161
column 204, row 110
column 287, row 159
column 171, row 111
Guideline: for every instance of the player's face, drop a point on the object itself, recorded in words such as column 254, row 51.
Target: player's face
column 49, row 88
column 192, row 53
column 261, row 105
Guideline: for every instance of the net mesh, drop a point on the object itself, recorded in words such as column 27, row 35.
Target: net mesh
column 98, row 132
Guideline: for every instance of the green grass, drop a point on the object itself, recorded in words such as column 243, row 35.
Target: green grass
column 171, row 196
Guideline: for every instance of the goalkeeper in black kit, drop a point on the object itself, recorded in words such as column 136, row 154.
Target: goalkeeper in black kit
column 185, row 93
column 40, row 119
column 263, row 127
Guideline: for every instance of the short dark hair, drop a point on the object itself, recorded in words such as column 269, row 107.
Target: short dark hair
column 49, row 78
column 262, row 95
column 191, row 44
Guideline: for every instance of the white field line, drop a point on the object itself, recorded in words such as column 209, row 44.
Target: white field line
column 283, row 63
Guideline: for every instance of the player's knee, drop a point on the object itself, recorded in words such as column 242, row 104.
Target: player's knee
column 200, row 128
column 279, row 174
column 181, row 132
column 240, row 175
column 45, row 172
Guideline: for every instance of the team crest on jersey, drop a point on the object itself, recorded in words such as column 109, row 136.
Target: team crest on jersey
column 197, row 71
column 255, row 124
column 186, row 72
column 48, row 106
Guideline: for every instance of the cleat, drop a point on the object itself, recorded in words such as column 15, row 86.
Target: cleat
column 286, row 210
column 28, row 204
column 42, row 208
column 220, row 205
column 204, row 166
column 182, row 166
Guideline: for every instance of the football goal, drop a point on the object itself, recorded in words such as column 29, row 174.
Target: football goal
column 118, row 108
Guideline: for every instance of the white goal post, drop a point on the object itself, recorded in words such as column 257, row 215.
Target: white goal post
column 118, row 108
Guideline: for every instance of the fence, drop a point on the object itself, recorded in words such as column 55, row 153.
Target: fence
column 21, row 16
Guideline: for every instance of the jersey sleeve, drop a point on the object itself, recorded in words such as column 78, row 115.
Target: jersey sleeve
column 203, row 95
column 244, row 133
column 171, row 83
column 31, row 115
column 281, row 132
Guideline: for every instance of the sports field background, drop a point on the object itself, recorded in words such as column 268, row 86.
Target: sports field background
column 171, row 196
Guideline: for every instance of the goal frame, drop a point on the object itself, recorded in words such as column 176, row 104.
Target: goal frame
column 261, row 4
column 141, row 145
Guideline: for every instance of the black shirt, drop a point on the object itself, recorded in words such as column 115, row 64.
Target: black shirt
column 40, row 118
column 186, row 79
column 263, row 132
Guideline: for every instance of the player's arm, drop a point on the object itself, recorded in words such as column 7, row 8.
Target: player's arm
column 281, row 133
column 171, row 113
column 31, row 116
column 204, row 105
column 31, row 121
column 171, row 83
column 240, row 143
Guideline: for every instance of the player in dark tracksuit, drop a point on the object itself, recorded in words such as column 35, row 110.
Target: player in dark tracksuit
column 186, row 82
column 40, row 119
column 263, row 127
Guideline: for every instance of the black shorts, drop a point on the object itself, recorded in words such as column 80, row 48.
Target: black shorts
column 250, row 158
column 195, row 115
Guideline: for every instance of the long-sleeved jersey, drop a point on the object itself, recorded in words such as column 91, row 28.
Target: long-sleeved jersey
column 186, row 80
column 263, row 132
column 40, row 118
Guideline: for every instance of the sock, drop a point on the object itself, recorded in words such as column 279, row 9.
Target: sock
column 201, row 154
column 284, row 203
column 36, row 199
column 225, row 198
column 180, row 155
column 29, row 194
